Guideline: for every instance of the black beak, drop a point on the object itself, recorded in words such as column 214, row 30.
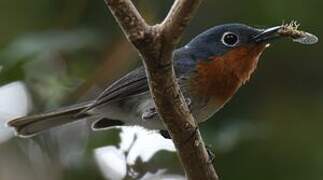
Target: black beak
column 267, row 35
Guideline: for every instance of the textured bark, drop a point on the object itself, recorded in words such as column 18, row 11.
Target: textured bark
column 156, row 44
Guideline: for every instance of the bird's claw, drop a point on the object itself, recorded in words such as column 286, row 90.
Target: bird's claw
column 149, row 113
column 188, row 102
column 165, row 134
column 211, row 153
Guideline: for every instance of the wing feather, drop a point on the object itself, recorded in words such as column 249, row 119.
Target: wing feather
column 135, row 82
column 131, row 84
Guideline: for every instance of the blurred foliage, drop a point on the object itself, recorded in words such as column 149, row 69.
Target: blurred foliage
column 67, row 50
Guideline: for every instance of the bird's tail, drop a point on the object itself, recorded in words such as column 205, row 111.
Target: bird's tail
column 31, row 125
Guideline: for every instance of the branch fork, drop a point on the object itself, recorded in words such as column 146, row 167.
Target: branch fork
column 156, row 44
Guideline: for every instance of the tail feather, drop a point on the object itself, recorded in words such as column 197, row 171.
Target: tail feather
column 31, row 125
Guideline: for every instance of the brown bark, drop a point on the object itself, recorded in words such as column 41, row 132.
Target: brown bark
column 156, row 44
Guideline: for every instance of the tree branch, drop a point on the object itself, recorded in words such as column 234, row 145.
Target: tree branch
column 178, row 18
column 129, row 19
column 156, row 45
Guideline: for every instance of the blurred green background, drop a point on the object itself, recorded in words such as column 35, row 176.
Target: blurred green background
column 68, row 50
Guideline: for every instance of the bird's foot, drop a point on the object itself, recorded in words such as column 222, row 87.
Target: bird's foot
column 188, row 102
column 210, row 152
column 165, row 134
column 149, row 113
column 208, row 148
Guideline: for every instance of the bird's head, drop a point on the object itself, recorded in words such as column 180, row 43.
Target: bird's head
column 239, row 45
column 225, row 57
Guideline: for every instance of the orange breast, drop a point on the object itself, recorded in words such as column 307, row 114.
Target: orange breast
column 220, row 77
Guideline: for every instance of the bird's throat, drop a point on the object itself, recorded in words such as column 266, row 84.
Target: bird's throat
column 220, row 77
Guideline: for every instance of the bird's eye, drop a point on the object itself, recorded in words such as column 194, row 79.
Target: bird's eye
column 230, row 39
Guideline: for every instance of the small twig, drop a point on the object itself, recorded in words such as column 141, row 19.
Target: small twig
column 129, row 19
column 177, row 19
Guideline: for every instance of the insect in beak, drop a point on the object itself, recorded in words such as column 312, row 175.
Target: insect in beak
column 286, row 30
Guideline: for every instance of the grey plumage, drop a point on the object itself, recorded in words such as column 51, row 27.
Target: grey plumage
column 29, row 125
column 128, row 101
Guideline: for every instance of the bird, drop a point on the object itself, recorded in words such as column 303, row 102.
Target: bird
column 209, row 70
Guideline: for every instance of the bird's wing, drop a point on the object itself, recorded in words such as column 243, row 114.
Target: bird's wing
column 131, row 84
column 135, row 82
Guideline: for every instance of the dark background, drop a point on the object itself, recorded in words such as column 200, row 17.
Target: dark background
column 67, row 50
